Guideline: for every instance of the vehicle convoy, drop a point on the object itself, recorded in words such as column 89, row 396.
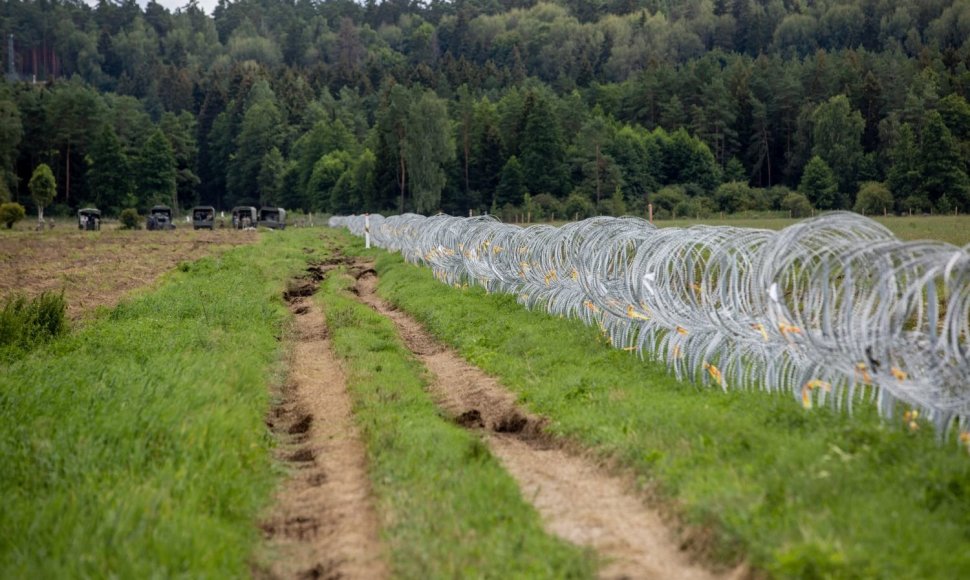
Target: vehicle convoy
column 244, row 216
column 89, row 218
column 160, row 218
column 203, row 217
column 272, row 217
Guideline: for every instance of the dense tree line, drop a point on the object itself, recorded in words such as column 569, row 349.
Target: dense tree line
column 493, row 105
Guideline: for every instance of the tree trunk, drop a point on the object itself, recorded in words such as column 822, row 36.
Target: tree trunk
column 598, row 169
column 402, row 179
column 40, row 214
column 767, row 154
column 67, row 185
column 467, row 144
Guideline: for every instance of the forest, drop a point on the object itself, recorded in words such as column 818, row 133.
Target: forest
column 566, row 107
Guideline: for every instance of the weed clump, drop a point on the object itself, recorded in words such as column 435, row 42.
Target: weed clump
column 129, row 219
column 28, row 322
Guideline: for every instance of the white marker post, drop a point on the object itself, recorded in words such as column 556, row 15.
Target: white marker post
column 367, row 230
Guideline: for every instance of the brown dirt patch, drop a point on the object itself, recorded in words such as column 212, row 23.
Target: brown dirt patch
column 575, row 496
column 100, row 268
column 323, row 524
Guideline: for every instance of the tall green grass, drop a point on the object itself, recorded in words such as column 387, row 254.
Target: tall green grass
column 448, row 508
column 136, row 447
column 801, row 494
column 28, row 322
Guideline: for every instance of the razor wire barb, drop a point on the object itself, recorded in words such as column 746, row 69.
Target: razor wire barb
column 833, row 309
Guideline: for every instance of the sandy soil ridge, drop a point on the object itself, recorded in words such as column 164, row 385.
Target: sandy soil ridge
column 323, row 524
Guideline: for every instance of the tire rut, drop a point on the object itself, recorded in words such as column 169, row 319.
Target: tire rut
column 575, row 498
column 323, row 523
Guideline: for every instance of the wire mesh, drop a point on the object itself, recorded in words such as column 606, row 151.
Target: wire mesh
column 832, row 309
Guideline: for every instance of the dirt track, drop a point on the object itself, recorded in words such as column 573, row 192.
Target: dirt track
column 575, row 498
column 323, row 524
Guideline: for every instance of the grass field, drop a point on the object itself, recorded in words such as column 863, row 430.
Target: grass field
column 448, row 508
column 800, row 493
column 952, row 229
column 136, row 447
column 96, row 269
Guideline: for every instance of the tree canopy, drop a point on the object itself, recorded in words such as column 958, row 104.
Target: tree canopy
column 396, row 106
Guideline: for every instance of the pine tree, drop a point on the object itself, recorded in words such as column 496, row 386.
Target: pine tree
column 429, row 146
column 819, row 185
column 905, row 175
column 262, row 129
column 943, row 173
column 838, row 140
column 108, row 174
column 155, row 171
column 543, row 150
column 511, row 185
column 270, row 180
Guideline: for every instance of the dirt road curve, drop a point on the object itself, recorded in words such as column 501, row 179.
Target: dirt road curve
column 323, row 524
column 575, row 498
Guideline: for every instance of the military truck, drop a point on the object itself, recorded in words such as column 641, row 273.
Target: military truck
column 89, row 218
column 244, row 216
column 203, row 217
column 272, row 217
column 160, row 218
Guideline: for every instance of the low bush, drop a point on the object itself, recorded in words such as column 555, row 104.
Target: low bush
column 129, row 219
column 11, row 213
column 797, row 205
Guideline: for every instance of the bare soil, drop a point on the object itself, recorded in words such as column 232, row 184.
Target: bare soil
column 99, row 268
column 575, row 496
column 323, row 524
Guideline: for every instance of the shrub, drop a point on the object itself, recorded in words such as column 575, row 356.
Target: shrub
column 774, row 196
column 873, row 197
column 129, row 219
column 25, row 323
column 734, row 196
column 694, row 207
column 11, row 213
column 577, row 205
column 796, row 204
column 668, row 197
column 547, row 206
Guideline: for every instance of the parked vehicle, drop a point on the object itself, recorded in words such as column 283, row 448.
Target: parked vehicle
column 89, row 218
column 244, row 216
column 272, row 217
column 203, row 217
column 160, row 218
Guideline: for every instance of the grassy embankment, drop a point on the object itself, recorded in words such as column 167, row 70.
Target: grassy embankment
column 136, row 447
column 447, row 507
column 802, row 493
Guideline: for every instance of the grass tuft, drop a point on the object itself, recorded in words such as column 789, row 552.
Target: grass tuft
column 29, row 322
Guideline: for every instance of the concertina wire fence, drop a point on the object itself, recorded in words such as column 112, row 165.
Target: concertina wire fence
column 833, row 309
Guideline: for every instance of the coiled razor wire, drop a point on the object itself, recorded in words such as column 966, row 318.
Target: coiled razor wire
column 833, row 309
